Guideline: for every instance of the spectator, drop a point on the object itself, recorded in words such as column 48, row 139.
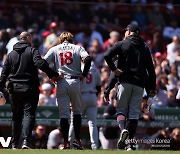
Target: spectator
column 155, row 17
column 171, row 56
column 4, row 38
column 173, row 76
column 171, row 30
column 95, row 52
column 140, row 16
column 13, row 39
column 50, row 39
column 157, row 44
column 171, row 96
column 114, row 37
column 55, row 139
column 161, row 134
column 177, row 61
column 42, row 48
column 160, row 97
column 47, row 98
column 175, row 140
column 39, row 137
column 83, row 37
column 89, row 35
column 158, row 58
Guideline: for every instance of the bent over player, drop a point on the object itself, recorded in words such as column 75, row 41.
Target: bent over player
column 67, row 58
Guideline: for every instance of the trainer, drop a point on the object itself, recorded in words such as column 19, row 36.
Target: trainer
column 134, row 63
column 21, row 71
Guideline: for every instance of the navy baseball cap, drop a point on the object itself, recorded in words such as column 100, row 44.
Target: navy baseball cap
column 132, row 28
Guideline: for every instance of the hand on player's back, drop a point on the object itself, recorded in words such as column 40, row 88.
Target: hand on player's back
column 152, row 93
column 81, row 78
column 117, row 72
column 60, row 75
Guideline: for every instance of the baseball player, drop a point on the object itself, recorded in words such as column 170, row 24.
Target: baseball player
column 90, row 87
column 67, row 59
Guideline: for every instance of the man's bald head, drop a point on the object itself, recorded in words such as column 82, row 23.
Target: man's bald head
column 24, row 35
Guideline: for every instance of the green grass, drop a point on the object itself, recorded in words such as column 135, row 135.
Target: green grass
column 84, row 152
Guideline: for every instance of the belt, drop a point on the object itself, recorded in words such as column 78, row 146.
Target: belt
column 88, row 92
column 71, row 77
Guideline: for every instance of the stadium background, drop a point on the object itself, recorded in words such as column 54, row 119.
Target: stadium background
column 153, row 17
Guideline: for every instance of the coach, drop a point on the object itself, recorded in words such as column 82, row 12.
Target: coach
column 134, row 62
column 21, row 73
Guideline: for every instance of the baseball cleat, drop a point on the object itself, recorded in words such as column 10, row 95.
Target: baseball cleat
column 123, row 136
column 26, row 145
column 77, row 144
column 66, row 146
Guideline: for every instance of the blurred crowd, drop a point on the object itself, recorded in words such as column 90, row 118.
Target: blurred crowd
column 97, row 27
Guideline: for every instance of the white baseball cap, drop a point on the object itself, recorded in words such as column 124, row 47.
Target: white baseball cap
column 46, row 86
column 171, row 87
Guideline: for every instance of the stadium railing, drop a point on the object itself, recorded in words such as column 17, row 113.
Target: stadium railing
column 49, row 116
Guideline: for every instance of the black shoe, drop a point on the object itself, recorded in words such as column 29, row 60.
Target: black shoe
column 14, row 147
column 77, row 144
column 66, row 146
column 26, row 145
column 123, row 136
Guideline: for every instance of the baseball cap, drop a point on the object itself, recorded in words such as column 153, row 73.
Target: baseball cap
column 53, row 25
column 157, row 54
column 132, row 28
column 171, row 87
column 46, row 86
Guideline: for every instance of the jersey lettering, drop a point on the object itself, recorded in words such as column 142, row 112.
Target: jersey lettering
column 66, row 58
column 88, row 78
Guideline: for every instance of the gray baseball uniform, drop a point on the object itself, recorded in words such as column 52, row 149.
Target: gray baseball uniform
column 89, row 103
column 67, row 59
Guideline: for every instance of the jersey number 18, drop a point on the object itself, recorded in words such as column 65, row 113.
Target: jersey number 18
column 66, row 58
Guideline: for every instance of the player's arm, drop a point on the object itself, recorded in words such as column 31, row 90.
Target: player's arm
column 42, row 64
column 86, row 59
column 151, row 73
column 110, row 85
column 87, row 65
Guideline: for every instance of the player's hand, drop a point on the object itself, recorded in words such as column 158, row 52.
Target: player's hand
column 81, row 78
column 54, row 80
column 60, row 75
column 117, row 72
column 152, row 93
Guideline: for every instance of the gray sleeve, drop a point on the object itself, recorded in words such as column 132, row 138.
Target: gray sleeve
column 49, row 55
